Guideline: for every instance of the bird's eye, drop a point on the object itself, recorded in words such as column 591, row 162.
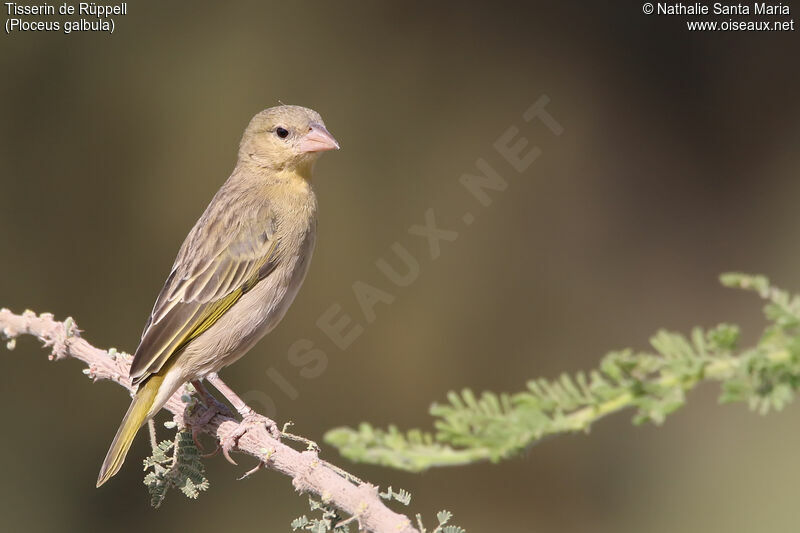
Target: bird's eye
column 281, row 132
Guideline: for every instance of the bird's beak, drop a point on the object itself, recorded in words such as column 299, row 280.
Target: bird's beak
column 318, row 139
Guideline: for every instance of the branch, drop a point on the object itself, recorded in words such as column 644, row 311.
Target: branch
column 493, row 427
column 308, row 472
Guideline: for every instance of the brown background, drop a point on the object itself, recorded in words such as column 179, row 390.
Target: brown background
column 678, row 161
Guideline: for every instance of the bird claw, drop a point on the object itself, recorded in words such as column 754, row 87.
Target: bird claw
column 211, row 454
column 195, row 434
column 252, row 471
column 226, row 447
column 249, row 421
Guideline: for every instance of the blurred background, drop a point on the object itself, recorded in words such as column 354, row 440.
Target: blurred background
column 678, row 161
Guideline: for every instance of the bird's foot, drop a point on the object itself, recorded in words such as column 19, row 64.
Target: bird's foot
column 250, row 420
column 211, row 407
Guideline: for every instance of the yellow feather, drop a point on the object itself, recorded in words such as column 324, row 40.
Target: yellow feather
column 133, row 420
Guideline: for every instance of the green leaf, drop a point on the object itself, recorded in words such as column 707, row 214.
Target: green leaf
column 493, row 427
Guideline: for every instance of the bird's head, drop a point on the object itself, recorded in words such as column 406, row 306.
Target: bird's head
column 285, row 137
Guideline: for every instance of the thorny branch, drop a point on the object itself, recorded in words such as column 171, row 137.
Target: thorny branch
column 308, row 472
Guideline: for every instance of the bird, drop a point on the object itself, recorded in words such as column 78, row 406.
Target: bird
column 237, row 272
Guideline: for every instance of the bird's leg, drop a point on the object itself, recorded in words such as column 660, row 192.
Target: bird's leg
column 242, row 408
column 213, row 405
column 249, row 417
column 213, row 408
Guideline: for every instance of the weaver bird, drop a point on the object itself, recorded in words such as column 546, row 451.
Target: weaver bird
column 236, row 273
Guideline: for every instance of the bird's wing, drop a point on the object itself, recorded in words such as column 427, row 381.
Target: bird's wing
column 223, row 257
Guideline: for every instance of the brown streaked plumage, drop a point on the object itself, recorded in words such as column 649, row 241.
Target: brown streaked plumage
column 238, row 270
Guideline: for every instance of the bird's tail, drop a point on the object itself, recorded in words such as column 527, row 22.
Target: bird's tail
column 133, row 420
